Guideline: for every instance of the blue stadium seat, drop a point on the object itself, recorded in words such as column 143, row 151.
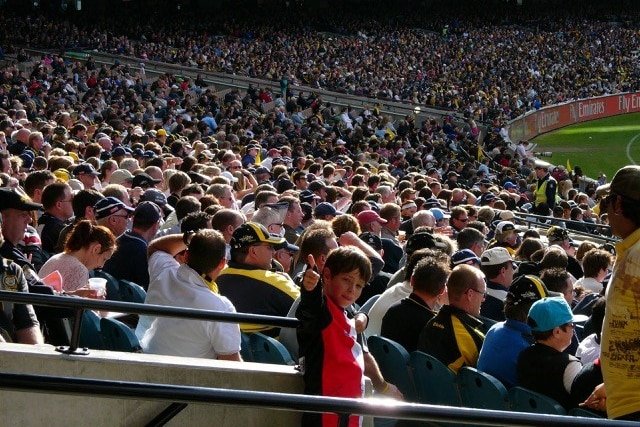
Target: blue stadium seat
column 481, row 390
column 393, row 361
column 113, row 287
column 90, row 336
column 367, row 305
column 130, row 292
column 265, row 349
column 525, row 400
column 118, row 337
column 435, row 382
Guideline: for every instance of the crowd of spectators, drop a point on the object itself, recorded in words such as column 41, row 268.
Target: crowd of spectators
column 134, row 162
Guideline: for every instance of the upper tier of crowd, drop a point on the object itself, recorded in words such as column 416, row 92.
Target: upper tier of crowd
column 494, row 63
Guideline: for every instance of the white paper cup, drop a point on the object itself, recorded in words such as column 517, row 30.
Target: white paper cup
column 99, row 284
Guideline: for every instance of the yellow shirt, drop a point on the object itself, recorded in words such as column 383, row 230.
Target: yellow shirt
column 620, row 349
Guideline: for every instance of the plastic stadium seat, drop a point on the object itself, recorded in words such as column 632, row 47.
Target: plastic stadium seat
column 367, row 305
column 90, row 331
column 525, row 400
column 580, row 412
column 245, row 347
column 435, row 382
column 268, row 350
column 130, row 292
column 113, row 287
column 118, row 337
column 481, row 390
column 393, row 361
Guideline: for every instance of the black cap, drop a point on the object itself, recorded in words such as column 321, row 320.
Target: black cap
column 10, row 198
column 144, row 180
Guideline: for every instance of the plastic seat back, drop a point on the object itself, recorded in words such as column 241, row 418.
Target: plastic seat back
column 113, row 287
column 118, row 337
column 435, row 382
column 368, row 304
column 525, row 400
column 90, row 336
column 268, row 350
column 131, row 292
column 585, row 413
column 393, row 361
column 481, row 390
column 245, row 347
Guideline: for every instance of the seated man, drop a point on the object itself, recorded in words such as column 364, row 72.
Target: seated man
column 18, row 322
column 455, row 335
column 505, row 340
column 249, row 282
column 193, row 285
column 543, row 367
column 404, row 320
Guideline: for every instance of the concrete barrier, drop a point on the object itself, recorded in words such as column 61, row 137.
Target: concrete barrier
column 37, row 409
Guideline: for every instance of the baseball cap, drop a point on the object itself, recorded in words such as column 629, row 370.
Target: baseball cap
column 161, row 132
column 85, row 168
column 10, row 198
column 485, row 182
column 557, row 234
column 549, row 313
column 372, row 240
column 62, row 174
column 251, row 233
column 527, row 289
column 119, row 152
column 432, row 202
column 143, row 180
column 120, row 175
column 262, row 170
column 504, row 215
column 626, row 183
column 147, row 212
column 325, row 208
column 368, row 216
column 509, row 185
column 229, row 176
column 316, row 185
column 464, row 256
column 439, row 214
column 108, row 206
column 541, row 164
column 422, row 240
column 505, row 227
column 495, row 256
column 154, row 195
column 308, row 196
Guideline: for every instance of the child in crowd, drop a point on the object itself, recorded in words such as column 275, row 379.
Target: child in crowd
column 332, row 360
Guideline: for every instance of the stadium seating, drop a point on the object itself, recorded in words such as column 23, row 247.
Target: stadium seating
column 393, row 361
column 525, row 400
column 435, row 383
column 265, row 349
column 481, row 390
column 118, row 337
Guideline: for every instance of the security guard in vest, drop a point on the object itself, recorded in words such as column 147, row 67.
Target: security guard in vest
column 546, row 189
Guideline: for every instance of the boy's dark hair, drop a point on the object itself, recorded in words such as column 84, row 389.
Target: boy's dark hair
column 347, row 259
column 84, row 199
column 555, row 279
column 594, row 261
column 207, row 249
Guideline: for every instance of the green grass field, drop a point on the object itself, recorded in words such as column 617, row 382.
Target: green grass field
column 597, row 146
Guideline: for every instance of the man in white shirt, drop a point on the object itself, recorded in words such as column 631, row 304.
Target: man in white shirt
column 193, row 285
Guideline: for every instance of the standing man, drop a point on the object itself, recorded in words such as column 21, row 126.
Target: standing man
column 546, row 189
column 620, row 352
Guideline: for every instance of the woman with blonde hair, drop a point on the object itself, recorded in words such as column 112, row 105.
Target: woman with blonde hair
column 87, row 247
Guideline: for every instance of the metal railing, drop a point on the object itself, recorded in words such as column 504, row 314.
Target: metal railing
column 343, row 407
column 82, row 304
column 546, row 222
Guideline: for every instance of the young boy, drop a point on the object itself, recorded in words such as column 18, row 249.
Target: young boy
column 331, row 358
